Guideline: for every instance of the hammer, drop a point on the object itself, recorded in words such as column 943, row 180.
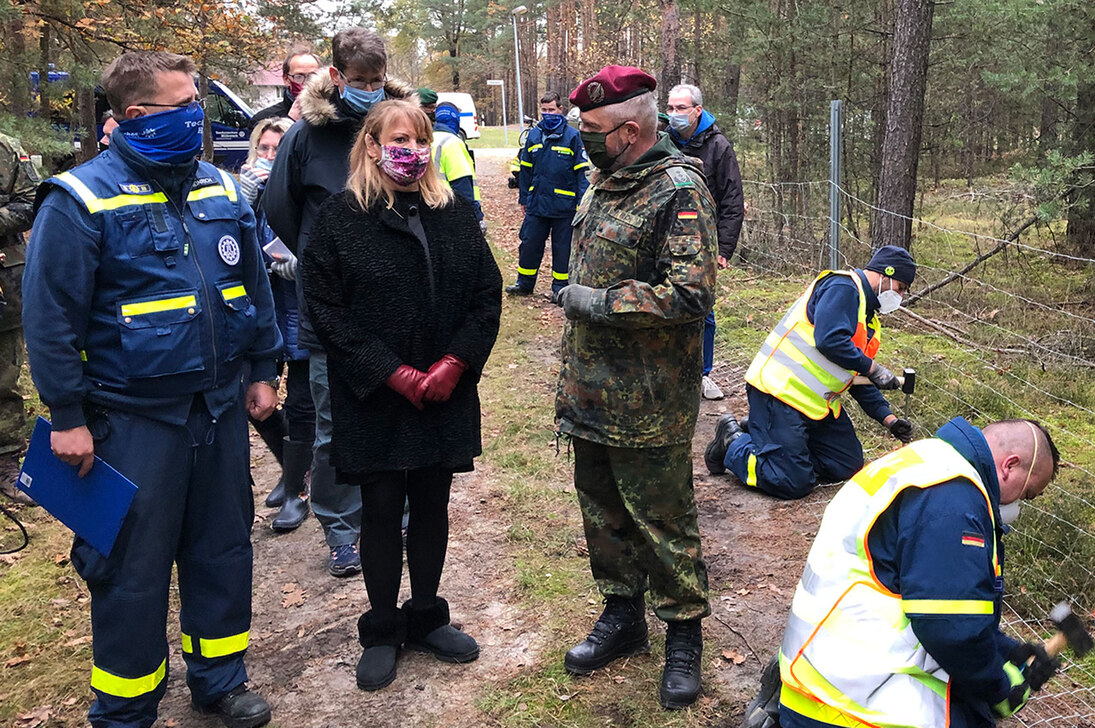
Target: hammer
column 907, row 380
column 1071, row 633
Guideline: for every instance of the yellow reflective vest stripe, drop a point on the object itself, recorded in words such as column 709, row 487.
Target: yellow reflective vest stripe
column 790, row 368
column 849, row 654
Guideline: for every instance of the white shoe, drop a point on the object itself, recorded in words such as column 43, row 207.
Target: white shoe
column 711, row 390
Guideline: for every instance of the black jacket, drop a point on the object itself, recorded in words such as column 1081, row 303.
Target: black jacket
column 378, row 301
column 274, row 111
column 720, row 167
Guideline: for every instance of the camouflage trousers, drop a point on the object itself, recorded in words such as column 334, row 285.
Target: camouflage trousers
column 639, row 513
column 13, row 416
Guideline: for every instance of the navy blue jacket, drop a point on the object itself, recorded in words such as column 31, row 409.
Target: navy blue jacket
column 553, row 170
column 833, row 309
column 144, row 287
column 285, row 297
column 918, row 551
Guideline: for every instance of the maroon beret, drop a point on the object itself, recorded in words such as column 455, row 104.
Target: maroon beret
column 611, row 85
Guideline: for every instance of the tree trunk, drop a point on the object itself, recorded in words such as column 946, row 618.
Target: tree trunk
column 18, row 92
column 670, row 48
column 89, row 125
column 44, row 59
column 731, row 89
column 904, row 122
column 207, row 128
column 1080, row 233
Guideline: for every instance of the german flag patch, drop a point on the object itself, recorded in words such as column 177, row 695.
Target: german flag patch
column 973, row 539
column 687, row 215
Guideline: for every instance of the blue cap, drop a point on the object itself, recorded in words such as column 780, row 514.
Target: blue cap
column 895, row 262
column 447, row 114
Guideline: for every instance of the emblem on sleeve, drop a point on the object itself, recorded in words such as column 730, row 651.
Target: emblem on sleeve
column 687, row 215
column 973, row 539
column 229, row 250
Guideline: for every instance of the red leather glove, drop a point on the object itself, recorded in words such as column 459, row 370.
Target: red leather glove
column 442, row 378
column 409, row 382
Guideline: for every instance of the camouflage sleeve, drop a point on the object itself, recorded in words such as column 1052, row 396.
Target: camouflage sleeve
column 18, row 182
column 682, row 288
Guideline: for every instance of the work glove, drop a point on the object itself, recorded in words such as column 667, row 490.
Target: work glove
column 483, row 226
column 576, row 301
column 441, row 379
column 1040, row 669
column 285, row 267
column 902, row 429
column 408, row 382
column 882, row 377
column 1017, row 696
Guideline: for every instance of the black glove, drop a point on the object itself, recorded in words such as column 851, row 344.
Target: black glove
column 1040, row 669
column 902, row 430
column 1017, row 696
column 576, row 300
column 882, row 377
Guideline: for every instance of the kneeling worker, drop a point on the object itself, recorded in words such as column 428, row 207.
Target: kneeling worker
column 896, row 620
column 798, row 434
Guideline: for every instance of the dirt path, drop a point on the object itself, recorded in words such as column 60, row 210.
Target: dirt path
column 304, row 640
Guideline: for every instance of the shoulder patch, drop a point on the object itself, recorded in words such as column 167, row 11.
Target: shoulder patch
column 204, row 182
column 135, row 189
column 680, row 177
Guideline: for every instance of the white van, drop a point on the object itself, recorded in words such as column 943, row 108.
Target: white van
column 469, row 117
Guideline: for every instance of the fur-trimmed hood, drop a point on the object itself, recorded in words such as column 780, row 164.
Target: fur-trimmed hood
column 318, row 101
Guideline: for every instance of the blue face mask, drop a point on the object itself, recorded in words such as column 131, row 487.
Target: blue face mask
column 171, row 137
column 361, row 101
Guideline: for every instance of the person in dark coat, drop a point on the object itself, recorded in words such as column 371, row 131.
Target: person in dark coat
column 694, row 131
column 405, row 296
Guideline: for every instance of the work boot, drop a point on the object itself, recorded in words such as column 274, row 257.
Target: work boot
column 726, row 431
column 681, row 676
column 429, row 630
column 273, row 431
column 381, row 637
column 297, row 460
column 743, row 423
column 518, row 290
column 620, row 631
column 240, row 708
column 763, row 710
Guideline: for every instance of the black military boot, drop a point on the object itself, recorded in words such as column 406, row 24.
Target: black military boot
column 518, row 290
column 681, row 676
column 381, row 637
column 273, row 431
column 428, row 630
column 297, row 459
column 726, row 431
column 240, row 708
column 763, row 710
column 620, row 631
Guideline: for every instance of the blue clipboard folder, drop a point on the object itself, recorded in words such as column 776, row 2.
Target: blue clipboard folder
column 93, row 506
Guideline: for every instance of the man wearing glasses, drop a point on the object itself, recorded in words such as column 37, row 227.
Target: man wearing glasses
column 139, row 344
column 312, row 164
column 299, row 66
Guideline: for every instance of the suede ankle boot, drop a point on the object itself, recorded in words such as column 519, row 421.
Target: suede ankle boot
column 683, row 652
column 428, row 630
column 381, row 637
column 620, row 631
column 297, row 459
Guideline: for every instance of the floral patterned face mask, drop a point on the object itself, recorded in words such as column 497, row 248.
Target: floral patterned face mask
column 403, row 165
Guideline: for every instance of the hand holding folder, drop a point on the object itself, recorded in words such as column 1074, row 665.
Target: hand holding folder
column 93, row 506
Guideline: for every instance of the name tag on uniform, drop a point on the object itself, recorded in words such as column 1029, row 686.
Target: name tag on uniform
column 204, row 182
column 131, row 188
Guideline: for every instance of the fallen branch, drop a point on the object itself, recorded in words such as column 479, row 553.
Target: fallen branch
column 740, row 636
column 943, row 329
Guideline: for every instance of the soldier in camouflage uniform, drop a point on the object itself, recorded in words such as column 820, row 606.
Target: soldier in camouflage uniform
column 642, row 278
column 18, row 182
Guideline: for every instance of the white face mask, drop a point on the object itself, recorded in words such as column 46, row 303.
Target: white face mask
column 888, row 301
column 1009, row 512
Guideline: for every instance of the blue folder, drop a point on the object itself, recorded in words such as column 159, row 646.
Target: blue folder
column 93, row 506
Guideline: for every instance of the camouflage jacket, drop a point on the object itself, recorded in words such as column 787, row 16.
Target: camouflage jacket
column 18, row 181
column 645, row 241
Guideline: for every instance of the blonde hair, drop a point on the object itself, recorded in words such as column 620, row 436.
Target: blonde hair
column 275, row 124
column 367, row 183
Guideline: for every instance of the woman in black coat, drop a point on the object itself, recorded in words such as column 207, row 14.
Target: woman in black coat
column 405, row 296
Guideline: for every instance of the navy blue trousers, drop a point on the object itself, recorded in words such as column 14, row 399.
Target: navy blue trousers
column 534, row 234
column 193, row 508
column 786, row 454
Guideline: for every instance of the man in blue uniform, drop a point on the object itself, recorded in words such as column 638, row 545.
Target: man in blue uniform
column 896, row 620
column 151, row 336
column 798, row 433
column 552, row 182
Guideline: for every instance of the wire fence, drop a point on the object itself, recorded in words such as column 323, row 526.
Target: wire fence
column 1011, row 335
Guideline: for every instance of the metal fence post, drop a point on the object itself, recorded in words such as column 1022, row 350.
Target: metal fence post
column 835, row 144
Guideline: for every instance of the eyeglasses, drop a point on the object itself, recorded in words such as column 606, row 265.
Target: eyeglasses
column 301, row 77
column 679, row 108
column 199, row 103
column 267, row 149
column 374, row 85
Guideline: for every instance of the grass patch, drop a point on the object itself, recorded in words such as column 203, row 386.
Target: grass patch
column 492, row 137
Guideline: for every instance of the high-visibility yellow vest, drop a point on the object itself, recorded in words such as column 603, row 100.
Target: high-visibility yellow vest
column 453, row 161
column 849, row 656
column 790, row 368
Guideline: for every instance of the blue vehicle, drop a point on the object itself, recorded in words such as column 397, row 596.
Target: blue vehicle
column 229, row 118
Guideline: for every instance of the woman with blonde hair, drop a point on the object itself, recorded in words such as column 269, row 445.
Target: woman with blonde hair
column 405, row 296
